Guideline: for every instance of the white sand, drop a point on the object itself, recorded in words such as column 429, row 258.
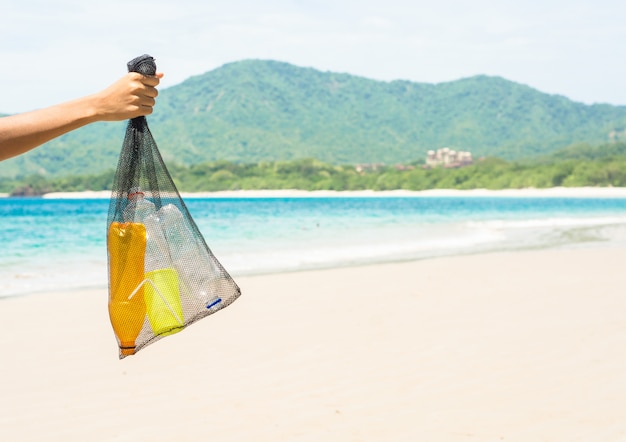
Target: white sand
column 580, row 192
column 524, row 346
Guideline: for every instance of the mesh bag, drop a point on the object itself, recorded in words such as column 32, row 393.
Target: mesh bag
column 162, row 275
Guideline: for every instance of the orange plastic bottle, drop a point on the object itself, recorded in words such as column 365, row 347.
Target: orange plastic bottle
column 127, row 307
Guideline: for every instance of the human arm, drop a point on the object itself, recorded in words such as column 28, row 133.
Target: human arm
column 131, row 96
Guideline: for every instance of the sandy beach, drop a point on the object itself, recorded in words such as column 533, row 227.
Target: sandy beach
column 516, row 346
column 558, row 192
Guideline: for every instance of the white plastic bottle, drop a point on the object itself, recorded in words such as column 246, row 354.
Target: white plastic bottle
column 138, row 207
column 197, row 273
column 142, row 210
column 157, row 252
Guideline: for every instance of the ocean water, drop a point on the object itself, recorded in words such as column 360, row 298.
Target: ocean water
column 56, row 244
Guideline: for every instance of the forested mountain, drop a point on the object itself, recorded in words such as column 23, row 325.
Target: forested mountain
column 256, row 110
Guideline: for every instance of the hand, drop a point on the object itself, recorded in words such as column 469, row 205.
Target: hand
column 131, row 96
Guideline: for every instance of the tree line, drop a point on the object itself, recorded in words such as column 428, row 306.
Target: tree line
column 576, row 166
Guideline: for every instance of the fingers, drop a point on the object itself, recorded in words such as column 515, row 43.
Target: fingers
column 131, row 96
column 142, row 111
column 149, row 80
column 144, row 92
column 147, row 102
column 149, row 91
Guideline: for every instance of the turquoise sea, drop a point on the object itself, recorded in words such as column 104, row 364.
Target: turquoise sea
column 60, row 244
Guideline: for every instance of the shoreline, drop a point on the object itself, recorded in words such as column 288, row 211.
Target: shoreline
column 376, row 230
column 553, row 192
column 596, row 246
column 104, row 284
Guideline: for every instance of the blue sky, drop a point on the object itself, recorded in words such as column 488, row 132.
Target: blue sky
column 56, row 50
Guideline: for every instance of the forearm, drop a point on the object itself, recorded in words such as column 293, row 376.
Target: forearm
column 131, row 96
column 23, row 132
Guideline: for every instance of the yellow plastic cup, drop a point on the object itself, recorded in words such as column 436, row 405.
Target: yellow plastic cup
column 162, row 295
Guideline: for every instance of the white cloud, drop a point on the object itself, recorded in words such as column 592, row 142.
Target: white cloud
column 54, row 51
column 377, row 23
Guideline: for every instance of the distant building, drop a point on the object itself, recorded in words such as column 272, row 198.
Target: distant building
column 362, row 168
column 447, row 157
column 403, row 167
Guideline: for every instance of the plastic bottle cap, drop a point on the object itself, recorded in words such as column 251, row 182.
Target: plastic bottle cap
column 130, row 195
column 127, row 349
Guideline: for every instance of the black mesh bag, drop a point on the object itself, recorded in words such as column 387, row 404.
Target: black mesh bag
column 162, row 275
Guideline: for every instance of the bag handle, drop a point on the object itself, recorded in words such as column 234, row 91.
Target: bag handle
column 144, row 64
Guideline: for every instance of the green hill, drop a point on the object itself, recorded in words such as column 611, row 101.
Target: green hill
column 257, row 110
